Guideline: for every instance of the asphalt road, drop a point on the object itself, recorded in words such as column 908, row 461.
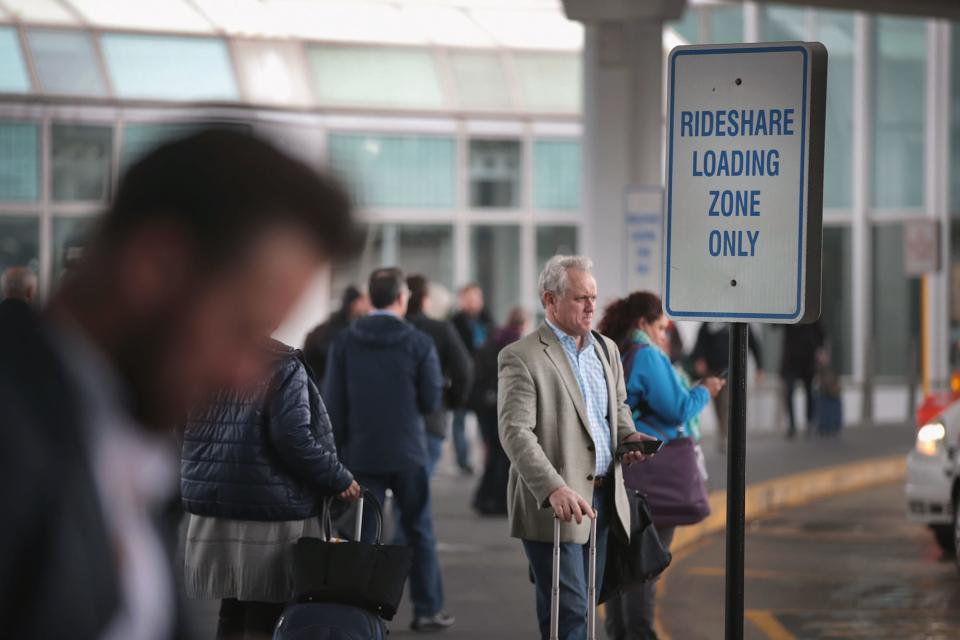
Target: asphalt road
column 850, row 566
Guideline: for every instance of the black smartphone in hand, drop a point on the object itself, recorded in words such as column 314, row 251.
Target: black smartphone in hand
column 647, row 447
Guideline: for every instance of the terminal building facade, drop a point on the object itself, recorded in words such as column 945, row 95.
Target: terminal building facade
column 459, row 126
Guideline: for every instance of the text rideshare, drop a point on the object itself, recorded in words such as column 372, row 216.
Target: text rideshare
column 754, row 162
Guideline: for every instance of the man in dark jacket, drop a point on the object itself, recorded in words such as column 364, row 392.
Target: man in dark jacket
column 475, row 327
column 207, row 245
column 802, row 352
column 455, row 362
column 383, row 376
column 254, row 467
column 354, row 304
column 711, row 357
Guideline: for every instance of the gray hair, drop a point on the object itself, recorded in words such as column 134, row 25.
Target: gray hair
column 554, row 278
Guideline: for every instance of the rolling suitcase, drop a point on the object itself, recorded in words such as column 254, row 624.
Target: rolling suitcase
column 591, row 584
column 331, row 620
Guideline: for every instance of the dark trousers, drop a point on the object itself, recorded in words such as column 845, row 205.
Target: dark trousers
column 247, row 620
column 789, row 384
column 411, row 490
column 574, row 568
column 630, row 616
column 491, row 496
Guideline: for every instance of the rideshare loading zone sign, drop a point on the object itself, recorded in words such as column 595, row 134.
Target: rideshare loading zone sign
column 744, row 203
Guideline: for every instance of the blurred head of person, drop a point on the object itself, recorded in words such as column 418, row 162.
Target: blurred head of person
column 388, row 291
column 19, row 283
column 354, row 304
column 470, row 299
column 641, row 311
column 517, row 325
column 568, row 293
column 419, row 288
column 209, row 242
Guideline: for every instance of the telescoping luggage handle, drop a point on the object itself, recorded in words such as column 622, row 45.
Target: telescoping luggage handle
column 591, row 584
column 327, row 522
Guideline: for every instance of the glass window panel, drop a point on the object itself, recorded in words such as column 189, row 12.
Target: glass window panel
column 896, row 305
column 835, row 30
column 375, row 76
column 423, row 249
column 495, row 265
column 396, row 170
column 836, row 294
column 480, row 80
column 549, row 82
column 81, row 157
column 139, row 139
column 725, row 24
column 66, row 62
column 273, row 72
column 556, row 174
column 70, row 236
column 169, row 67
column 19, row 242
column 688, row 26
column 899, row 70
column 13, row 71
column 784, row 23
column 554, row 240
column 495, row 169
column 19, row 162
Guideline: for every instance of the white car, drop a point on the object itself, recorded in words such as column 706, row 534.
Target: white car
column 933, row 470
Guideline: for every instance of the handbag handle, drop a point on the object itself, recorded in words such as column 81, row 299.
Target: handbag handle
column 326, row 518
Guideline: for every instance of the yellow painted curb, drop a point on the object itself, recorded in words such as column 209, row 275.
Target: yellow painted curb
column 794, row 490
column 782, row 493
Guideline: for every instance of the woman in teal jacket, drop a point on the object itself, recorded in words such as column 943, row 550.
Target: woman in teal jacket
column 665, row 406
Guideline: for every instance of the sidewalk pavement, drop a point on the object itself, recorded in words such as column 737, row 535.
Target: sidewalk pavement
column 485, row 572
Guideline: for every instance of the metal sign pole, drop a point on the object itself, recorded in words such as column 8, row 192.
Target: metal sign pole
column 736, row 479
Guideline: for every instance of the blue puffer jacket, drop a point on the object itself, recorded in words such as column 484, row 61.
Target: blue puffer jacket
column 267, row 455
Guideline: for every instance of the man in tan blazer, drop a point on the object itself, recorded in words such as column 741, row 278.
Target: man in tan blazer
column 562, row 413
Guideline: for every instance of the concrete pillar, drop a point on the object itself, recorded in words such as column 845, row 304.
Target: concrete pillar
column 623, row 138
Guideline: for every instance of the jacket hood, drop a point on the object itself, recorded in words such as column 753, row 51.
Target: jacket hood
column 380, row 330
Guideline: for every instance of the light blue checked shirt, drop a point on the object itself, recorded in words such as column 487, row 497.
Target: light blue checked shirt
column 593, row 383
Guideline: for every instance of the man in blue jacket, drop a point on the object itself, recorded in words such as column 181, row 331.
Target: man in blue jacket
column 382, row 377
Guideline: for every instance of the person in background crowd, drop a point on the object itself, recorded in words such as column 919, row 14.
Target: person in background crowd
column 383, row 376
column 491, row 496
column 803, row 352
column 562, row 413
column 208, row 244
column 665, row 407
column 254, row 469
column 674, row 343
column 455, row 362
column 354, row 304
column 19, row 283
column 711, row 357
column 475, row 326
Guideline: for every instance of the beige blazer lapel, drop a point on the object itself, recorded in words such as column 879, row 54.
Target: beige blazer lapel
column 556, row 354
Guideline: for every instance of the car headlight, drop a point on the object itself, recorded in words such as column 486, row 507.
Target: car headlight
column 930, row 438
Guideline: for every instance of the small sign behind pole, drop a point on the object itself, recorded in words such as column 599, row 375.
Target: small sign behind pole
column 921, row 247
column 744, row 201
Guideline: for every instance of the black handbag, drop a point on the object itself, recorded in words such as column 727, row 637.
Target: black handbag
column 642, row 559
column 369, row 576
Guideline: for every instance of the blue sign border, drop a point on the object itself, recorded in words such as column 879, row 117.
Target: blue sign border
column 803, row 176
